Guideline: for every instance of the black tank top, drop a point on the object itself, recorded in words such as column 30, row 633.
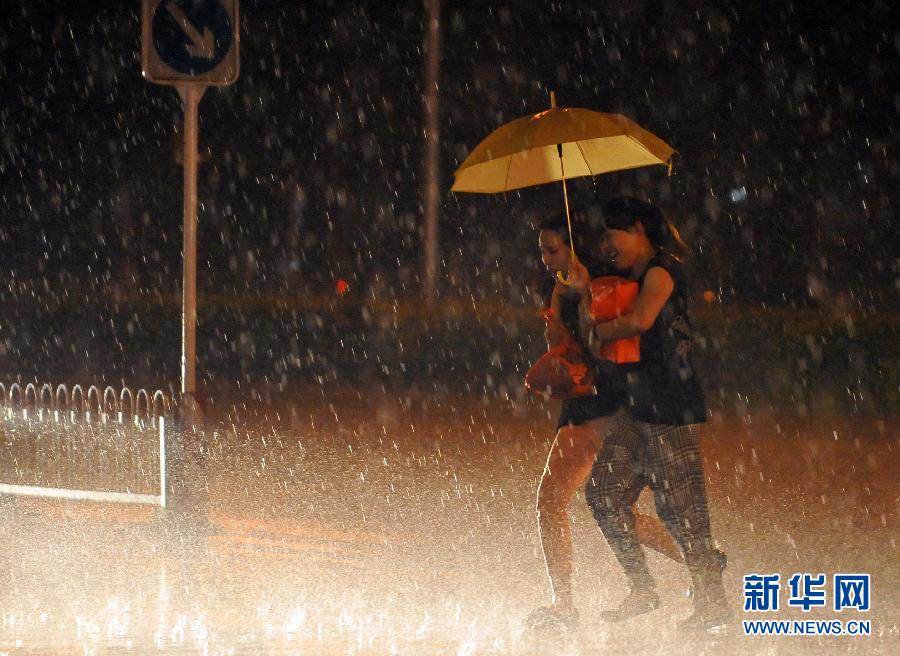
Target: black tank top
column 663, row 388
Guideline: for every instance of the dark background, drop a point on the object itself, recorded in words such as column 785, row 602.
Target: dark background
column 313, row 173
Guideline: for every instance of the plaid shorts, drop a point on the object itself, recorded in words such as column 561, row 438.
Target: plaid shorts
column 636, row 454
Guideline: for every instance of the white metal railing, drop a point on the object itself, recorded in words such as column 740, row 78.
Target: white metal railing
column 61, row 442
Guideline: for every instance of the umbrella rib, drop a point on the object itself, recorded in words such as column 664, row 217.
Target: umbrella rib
column 506, row 179
column 644, row 147
column 584, row 157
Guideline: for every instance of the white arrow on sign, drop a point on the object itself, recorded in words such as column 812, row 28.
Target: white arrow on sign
column 201, row 47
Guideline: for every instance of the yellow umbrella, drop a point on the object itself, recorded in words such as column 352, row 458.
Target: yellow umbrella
column 555, row 145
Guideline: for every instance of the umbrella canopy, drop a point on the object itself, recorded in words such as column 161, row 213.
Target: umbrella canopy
column 525, row 152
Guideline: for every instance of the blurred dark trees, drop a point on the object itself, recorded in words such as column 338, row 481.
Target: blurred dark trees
column 785, row 119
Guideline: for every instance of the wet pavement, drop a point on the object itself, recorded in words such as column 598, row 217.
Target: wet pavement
column 361, row 524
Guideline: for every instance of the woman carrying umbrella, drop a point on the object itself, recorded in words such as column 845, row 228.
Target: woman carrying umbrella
column 582, row 422
column 655, row 441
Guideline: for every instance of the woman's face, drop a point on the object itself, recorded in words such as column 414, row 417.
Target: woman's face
column 621, row 248
column 554, row 252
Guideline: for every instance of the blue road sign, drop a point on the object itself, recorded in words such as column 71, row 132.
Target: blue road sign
column 192, row 36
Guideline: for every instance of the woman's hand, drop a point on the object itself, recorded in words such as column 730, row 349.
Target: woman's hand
column 655, row 292
column 578, row 280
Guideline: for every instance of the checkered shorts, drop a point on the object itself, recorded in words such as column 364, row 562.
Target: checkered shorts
column 667, row 458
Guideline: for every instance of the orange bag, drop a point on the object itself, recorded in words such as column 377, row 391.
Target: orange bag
column 611, row 297
column 561, row 373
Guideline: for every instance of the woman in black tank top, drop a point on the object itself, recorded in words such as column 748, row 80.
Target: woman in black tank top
column 663, row 388
column 655, row 441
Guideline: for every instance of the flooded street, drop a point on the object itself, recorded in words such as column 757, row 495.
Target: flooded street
column 354, row 524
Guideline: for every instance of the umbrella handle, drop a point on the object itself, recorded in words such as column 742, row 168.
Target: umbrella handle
column 562, row 171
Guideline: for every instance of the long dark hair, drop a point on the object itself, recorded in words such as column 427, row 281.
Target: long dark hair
column 623, row 212
column 586, row 235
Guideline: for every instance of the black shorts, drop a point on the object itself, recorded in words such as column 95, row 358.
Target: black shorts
column 582, row 409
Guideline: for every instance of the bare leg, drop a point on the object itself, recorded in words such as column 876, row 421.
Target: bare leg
column 568, row 465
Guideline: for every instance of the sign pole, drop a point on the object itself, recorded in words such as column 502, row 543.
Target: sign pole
column 190, row 44
column 190, row 93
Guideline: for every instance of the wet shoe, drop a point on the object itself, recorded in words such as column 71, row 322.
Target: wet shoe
column 638, row 602
column 552, row 618
column 711, row 621
column 711, row 611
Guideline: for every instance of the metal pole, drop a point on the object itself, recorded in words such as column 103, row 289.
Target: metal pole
column 191, row 95
column 432, row 164
column 562, row 172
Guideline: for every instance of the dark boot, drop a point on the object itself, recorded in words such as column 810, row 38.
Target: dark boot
column 719, row 562
column 712, row 613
